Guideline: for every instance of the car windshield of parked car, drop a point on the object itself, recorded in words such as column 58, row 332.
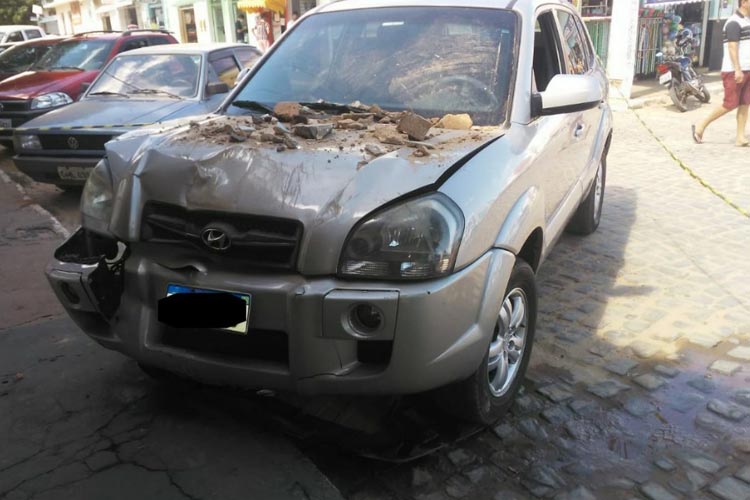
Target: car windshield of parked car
column 76, row 54
column 430, row 60
column 20, row 57
column 153, row 75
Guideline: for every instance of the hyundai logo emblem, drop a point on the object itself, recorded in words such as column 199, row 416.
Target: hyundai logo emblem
column 73, row 143
column 216, row 239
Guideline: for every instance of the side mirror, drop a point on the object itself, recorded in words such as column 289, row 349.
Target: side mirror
column 567, row 94
column 214, row 88
column 241, row 75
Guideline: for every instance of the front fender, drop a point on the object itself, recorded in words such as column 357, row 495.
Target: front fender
column 526, row 215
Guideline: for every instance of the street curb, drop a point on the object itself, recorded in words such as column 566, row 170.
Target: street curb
column 57, row 227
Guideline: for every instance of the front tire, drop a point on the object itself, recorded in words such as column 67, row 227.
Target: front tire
column 704, row 96
column 589, row 212
column 489, row 392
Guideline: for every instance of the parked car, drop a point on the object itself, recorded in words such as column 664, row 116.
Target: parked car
column 23, row 56
column 13, row 34
column 381, row 237
column 140, row 87
column 60, row 76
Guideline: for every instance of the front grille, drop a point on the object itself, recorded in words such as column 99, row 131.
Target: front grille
column 73, row 142
column 264, row 242
column 264, row 345
column 14, row 106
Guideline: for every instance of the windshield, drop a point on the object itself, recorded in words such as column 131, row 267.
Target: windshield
column 160, row 75
column 76, row 54
column 20, row 57
column 429, row 60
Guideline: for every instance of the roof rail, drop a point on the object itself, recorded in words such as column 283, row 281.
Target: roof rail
column 156, row 30
column 95, row 31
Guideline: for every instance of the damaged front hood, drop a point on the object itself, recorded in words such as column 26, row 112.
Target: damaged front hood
column 328, row 185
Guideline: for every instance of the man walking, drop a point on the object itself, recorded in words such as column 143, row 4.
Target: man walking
column 735, row 74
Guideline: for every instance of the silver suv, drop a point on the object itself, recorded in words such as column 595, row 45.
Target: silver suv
column 366, row 212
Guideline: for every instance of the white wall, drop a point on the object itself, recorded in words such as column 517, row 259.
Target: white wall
column 622, row 44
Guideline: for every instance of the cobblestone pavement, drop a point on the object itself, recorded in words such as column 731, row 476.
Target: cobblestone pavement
column 639, row 377
column 638, row 385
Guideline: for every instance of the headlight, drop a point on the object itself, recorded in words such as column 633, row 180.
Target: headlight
column 28, row 141
column 97, row 196
column 50, row 100
column 417, row 239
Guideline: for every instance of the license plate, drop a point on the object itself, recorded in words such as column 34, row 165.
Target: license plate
column 74, row 173
column 665, row 78
column 6, row 123
column 240, row 328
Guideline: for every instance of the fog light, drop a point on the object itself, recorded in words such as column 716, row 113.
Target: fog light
column 366, row 318
column 69, row 293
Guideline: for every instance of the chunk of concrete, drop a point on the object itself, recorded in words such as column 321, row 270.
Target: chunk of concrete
column 415, row 126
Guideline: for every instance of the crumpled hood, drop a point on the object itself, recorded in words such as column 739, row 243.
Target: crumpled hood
column 327, row 185
column 111, row 111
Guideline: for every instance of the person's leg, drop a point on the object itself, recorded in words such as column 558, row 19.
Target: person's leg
column 731, row 101
column 741, row 123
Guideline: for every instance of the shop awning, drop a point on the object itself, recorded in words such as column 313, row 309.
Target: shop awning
column 259, row 5
column 671, row 2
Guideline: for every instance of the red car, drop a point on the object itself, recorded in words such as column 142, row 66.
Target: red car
column 60, row 76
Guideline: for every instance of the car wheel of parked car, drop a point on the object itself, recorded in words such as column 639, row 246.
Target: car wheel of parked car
column 489, row 392
column 589, row 213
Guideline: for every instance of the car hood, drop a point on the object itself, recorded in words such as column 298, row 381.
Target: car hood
column 328, row 185
column 30, row 84
column 111, row 112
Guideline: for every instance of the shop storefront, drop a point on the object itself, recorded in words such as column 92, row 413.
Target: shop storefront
column 719, row 12
column 597, row 14
column 660, row 26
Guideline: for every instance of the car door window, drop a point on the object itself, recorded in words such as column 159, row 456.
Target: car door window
column 590, row 54
column 547, row 60
column 15, row 36
column 223, row 69
column 135, row 43
column 31, row 34
column 574, row 51
column 158, row 40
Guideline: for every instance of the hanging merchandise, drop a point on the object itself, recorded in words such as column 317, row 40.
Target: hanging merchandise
column 651, row 22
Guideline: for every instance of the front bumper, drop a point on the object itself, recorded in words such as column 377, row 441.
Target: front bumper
column 48, row 168
column 434, row 332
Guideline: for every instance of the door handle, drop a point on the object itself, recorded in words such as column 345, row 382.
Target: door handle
column 579, row 130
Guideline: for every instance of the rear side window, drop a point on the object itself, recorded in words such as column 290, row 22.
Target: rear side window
column 574, row 50
column 223, row 68
column 247, row 56
column 31, row 34
column 15, row 36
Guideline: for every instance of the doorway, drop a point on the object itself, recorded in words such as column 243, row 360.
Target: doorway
column 187, row 25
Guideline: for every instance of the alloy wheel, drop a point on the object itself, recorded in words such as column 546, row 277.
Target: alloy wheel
column 508, row 343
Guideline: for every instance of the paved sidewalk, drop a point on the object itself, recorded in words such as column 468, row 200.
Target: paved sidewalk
column 28, row 236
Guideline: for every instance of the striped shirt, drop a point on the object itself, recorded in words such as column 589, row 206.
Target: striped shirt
column 737, row 29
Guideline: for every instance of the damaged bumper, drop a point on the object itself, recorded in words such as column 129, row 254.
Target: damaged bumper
column 302, row 335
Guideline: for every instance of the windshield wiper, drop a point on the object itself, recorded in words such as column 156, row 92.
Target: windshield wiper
column 53, row 68
column 155, row 91
column 107, row 92
column 321, row 105
column 253, row 106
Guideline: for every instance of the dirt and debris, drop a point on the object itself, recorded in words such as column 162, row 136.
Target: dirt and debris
column 367, row 129
column 415, row 126
column 455, row 122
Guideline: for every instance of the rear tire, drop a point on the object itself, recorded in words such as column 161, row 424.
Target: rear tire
column 680, row 103
column 488, row 393
column 589, row 212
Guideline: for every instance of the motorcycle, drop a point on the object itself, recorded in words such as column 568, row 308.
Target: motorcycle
column 677, row 73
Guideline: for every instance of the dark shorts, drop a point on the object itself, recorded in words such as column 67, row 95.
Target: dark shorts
column 736, row 94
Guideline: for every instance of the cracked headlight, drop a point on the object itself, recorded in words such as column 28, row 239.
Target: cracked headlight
column 50, row 100
column 98, row 194
column 28, row 141
column 416, row 239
